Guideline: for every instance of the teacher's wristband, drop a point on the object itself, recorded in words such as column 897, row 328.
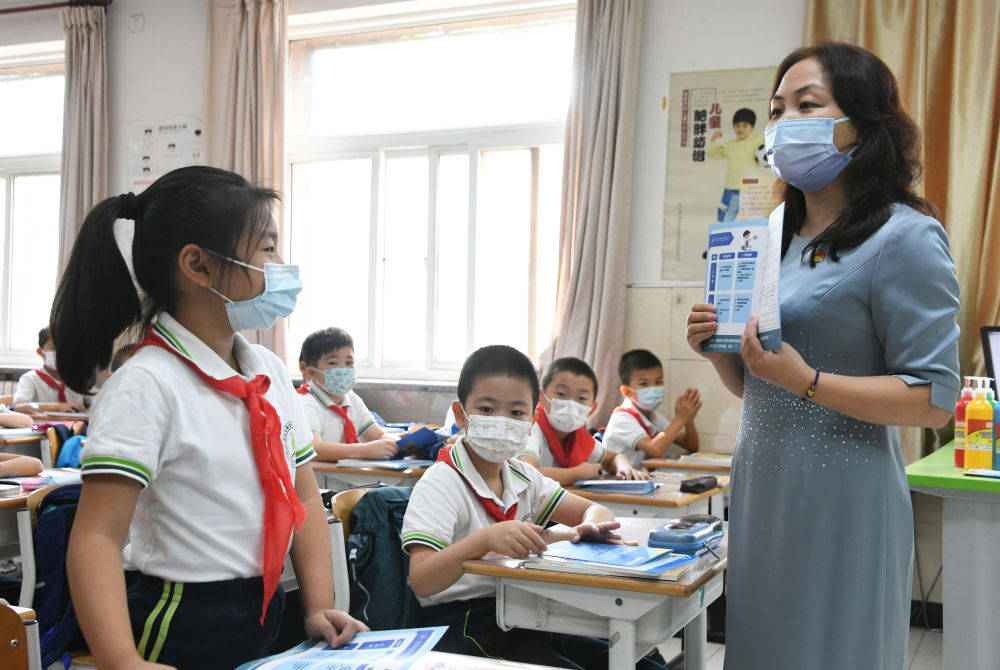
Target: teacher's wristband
column 811, row 391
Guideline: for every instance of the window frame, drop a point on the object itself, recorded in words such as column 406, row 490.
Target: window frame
column 44, row 58
column 304, row 149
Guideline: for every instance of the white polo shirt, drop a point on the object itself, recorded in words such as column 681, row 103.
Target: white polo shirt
column 442, row 511
column 327, row 423
column 539, row 449
column 200, row 513
column 623, row 434
column 32, row 388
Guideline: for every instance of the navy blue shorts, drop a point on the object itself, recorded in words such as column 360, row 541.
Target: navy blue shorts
column 209, row 625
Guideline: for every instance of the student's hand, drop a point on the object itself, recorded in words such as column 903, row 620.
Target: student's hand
column 687, row 405
column 338, row 628
column 382, row 449
column 628, row 472
column 701, row 325
column 72, row 407
column 596, row 532
column 589, row 470
column 516, row 539
column 784, row 368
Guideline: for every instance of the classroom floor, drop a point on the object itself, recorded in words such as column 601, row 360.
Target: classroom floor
column 924, row 651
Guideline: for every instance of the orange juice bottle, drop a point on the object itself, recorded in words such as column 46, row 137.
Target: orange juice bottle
column 963, row 403
column 979, row 430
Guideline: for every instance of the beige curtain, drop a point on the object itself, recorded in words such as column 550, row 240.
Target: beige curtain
column 247, row 48
column 946, row 57
column 84, row 171
column 597, row 188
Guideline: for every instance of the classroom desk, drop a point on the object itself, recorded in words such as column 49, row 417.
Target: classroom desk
column 634, row 615
column 663, row 503
column 439, row 660
column 337, row 478
column 17, row 502
column 38, row 438
column 674, row 465
column 970, row 543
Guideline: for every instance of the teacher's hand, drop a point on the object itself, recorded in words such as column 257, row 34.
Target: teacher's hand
column 784, row 368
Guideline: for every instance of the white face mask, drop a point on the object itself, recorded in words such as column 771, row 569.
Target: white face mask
column 650, row 397
column 50, row 360
column 566, row 415
column 496, row 438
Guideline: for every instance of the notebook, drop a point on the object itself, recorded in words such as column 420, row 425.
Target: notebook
column 591, row 558
column 741, row 280
column 394, row 464
column 418, row 439
column 636, row 487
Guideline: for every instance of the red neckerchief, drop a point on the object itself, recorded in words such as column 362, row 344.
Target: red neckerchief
column 576, row 451
column 59, row 386
column 490, row 505
column 282, row 508
column 350, row 430
column 638, row 417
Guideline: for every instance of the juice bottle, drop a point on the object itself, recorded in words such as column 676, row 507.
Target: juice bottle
column 963, row 403
column 979, row 429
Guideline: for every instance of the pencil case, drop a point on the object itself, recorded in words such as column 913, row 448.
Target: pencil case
column 699, row 484
column 690, row 534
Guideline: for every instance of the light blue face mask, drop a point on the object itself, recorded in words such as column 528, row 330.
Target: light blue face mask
column 802, row 153
column 281, row 286
column 339, row 381
column 650, row 397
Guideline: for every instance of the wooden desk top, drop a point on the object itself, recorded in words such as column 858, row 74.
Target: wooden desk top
column 673, row 464
column 22, row 439
column 17, row 502
column 323, row 466
column 633, row 529
column 661, row 497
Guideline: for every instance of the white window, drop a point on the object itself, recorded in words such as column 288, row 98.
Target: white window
column 425, row 176
column 30, row 141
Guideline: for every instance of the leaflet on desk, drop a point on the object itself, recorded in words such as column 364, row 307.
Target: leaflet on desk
column 637, row 487
column 45, row 478
column 378, row 650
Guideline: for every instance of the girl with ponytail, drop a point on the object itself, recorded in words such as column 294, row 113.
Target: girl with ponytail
column 198, row 449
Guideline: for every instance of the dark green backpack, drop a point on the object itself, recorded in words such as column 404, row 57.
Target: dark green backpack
column 378, row 568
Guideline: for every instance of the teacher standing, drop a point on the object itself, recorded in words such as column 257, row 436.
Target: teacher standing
column 821, row 528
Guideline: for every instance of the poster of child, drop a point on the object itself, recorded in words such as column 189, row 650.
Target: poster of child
column 741, row 160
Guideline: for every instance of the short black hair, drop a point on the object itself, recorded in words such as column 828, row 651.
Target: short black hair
column 323, row 342
column 637, row 359
column 745, row 115
column 122, row 354
column 497, row 360
column 570, row 364
column 745, row 233
column 43, row 337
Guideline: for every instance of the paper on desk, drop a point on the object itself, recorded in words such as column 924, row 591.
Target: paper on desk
column 388, row 649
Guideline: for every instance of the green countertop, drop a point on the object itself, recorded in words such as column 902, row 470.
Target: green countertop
column 938, row 470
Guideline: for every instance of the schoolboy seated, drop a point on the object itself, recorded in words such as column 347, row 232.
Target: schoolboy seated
column 478, row 499
column 342, row 425
column 42, row 390
column 560, row 445
column 636, row 430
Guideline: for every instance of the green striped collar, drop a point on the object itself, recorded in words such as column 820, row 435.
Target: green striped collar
column 324, row 398
column 185, row 343
column 515, row 482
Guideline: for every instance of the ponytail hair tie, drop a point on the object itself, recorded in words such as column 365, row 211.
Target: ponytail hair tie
column 129, row 203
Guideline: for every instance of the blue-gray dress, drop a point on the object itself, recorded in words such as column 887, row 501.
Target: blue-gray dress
column 821, row 529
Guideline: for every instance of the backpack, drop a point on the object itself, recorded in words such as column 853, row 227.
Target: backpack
column 69, row 454
column 53, row 609
column 378, row 568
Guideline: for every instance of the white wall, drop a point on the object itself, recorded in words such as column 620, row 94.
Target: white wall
column 684, row 36
column 154, row 73
column 29, row 27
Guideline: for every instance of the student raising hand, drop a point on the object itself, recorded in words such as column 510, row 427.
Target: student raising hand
column 338, row 628
column 687, row 405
